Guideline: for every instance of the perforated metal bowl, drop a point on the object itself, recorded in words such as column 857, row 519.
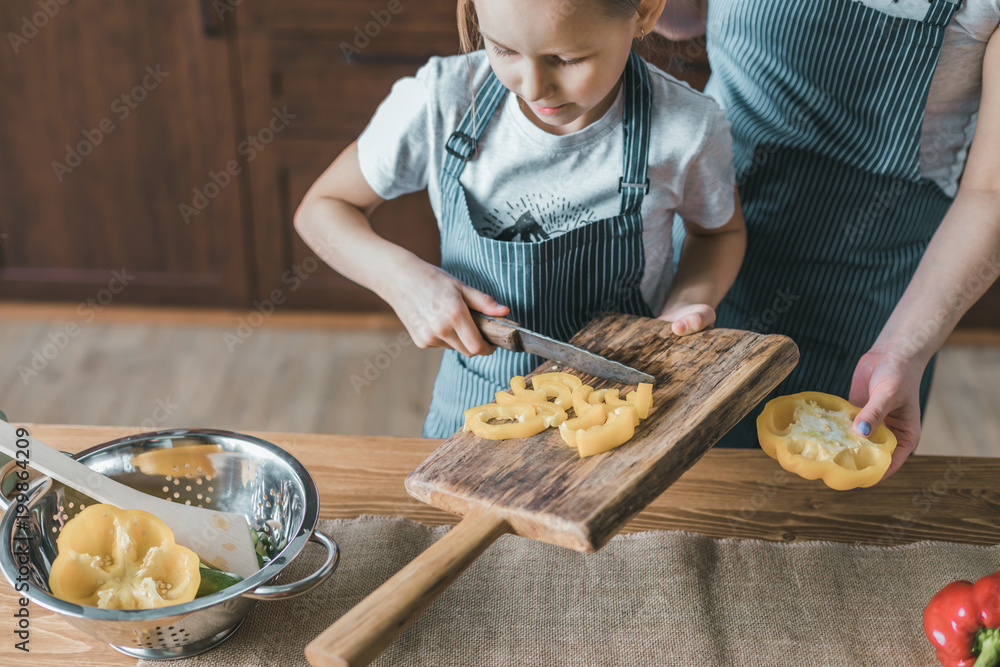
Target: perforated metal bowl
column 214, row 469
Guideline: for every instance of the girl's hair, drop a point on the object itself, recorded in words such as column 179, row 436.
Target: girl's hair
column 468, row 27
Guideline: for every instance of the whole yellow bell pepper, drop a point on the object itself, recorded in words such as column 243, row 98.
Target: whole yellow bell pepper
column 811, row 434
column 122, row 559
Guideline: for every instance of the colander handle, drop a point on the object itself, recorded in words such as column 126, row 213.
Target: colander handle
column 303, row 585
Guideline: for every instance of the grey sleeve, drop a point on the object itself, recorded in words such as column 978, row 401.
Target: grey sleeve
column 709, row 179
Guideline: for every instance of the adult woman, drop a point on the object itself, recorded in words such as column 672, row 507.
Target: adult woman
column 873, row 224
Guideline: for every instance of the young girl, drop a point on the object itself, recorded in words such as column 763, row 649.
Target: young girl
column 555, row 159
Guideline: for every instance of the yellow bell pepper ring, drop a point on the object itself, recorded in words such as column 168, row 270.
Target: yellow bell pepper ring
column 593, row 415
column 555, row 390
column 581, row 399
column 571, row 381
column 617, row 430
column 122, row 559
column 525, row 421
column 551, row 413
column 811, row 434
column 520, row 393
column 641, row 398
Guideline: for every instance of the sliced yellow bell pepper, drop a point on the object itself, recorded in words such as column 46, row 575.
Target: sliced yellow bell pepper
column 617, row 430
column 526, row 421
column 811, row 434
column 571, row 381
column 581, row 399
column 641, row 398
column 603, row 419
column 184, row 461
column 551, row 413
column 594, row 415
column 122, row 559
column 520, row 393
column 559, row 393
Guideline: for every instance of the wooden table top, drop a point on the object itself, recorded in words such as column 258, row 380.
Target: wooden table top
column 728, row 493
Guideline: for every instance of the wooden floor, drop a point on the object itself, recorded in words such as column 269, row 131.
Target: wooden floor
column 154, row 369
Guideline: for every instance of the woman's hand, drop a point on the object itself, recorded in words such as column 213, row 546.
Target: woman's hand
column 434, row 308
column 887, row 387
column 688, row 318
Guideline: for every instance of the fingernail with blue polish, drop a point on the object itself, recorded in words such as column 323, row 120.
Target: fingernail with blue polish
column 864, row 428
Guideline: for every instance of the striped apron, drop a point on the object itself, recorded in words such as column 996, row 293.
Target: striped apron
column 826, row 100
column 554, row 286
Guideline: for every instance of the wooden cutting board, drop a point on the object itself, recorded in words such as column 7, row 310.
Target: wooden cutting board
column 540, row 488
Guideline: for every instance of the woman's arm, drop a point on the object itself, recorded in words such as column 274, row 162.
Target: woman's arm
column 961, row 262
column 683, row 19
column 710, row 260
column 434, row 307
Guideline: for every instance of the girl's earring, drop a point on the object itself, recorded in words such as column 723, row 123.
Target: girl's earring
column 642, row 34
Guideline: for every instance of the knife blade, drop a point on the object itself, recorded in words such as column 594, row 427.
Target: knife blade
column 511, row 336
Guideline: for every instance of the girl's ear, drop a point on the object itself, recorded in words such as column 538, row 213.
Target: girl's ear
column 647, row 15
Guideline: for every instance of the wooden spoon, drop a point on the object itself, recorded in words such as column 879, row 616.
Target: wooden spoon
column 220, row 539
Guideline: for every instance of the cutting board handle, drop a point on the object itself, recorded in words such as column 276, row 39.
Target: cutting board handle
column 361, row 634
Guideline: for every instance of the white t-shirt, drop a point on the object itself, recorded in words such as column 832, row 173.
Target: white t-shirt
column 525, row 184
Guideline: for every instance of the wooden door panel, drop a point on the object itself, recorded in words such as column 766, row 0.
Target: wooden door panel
column 280, row 179
column 115, row 112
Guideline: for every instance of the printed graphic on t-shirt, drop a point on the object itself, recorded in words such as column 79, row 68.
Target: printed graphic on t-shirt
column 533, row 218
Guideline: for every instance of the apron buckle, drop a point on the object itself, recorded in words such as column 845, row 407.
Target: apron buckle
column 470, row 148
column 643, row 186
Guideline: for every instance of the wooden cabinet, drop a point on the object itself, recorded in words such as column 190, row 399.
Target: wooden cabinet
column 114, row 112
column 203, row 123
column 330, row 65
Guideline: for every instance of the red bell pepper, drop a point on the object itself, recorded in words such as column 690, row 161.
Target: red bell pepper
column 962, row 621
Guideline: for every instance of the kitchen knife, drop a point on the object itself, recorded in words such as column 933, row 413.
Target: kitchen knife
column 510, row 336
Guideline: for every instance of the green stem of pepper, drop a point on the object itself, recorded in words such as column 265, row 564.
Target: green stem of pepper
column 987, row 647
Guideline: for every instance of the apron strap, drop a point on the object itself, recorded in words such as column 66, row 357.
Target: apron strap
column 463, row 142
column 940, row 11
column 634, row 184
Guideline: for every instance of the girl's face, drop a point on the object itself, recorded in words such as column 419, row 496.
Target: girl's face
column 563, row 58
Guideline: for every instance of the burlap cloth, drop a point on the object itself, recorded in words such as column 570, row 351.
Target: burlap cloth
column 656, row 598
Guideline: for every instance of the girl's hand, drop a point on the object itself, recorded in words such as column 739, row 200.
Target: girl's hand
column 689, row 319
column 434, row 308
column 887, row 387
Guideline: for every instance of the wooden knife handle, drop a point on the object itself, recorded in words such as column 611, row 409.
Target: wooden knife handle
column 495, row 331
column 361, row 634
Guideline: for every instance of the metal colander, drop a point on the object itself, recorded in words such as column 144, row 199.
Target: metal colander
column 219, row 470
